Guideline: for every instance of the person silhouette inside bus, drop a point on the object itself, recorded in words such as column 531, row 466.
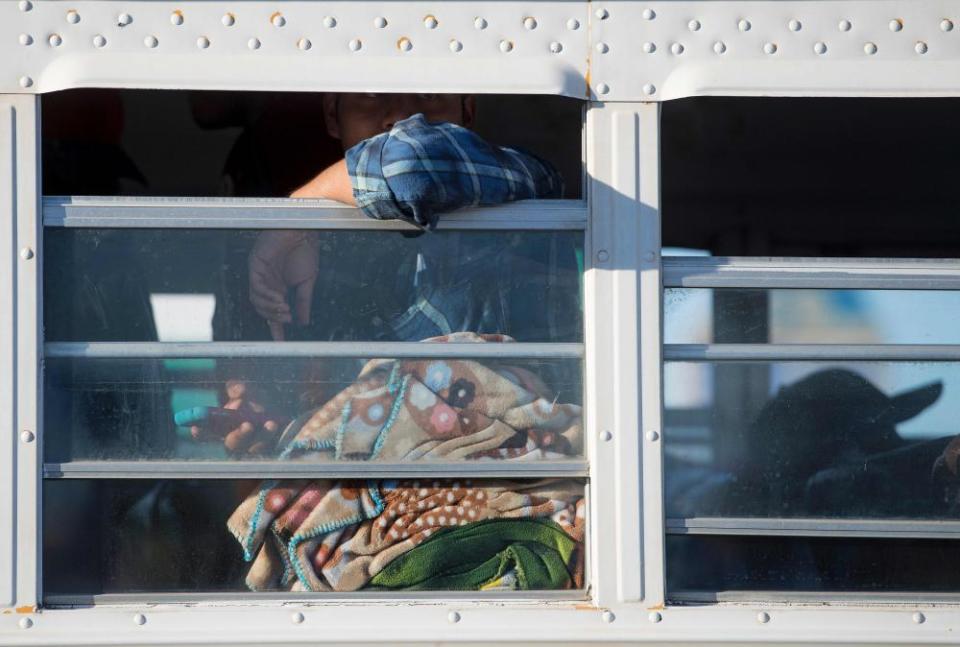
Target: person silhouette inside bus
column 410, row 157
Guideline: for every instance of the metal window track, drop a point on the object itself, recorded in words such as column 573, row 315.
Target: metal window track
column 180, row 469
column 811, row 352
column 817, row 598
column 780, row 527
column 289, row 213
column 813, row 273
column 366, row 597
column 246, row 350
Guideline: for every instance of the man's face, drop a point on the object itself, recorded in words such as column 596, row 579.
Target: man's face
column 353, row 117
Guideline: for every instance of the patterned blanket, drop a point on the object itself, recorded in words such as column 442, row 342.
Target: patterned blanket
column 437, row 409
column 336, row 536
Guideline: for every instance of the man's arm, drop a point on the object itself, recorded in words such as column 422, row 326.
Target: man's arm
column 333, row 183
column 419, row 170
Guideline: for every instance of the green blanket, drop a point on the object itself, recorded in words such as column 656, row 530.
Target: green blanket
column 469, row 557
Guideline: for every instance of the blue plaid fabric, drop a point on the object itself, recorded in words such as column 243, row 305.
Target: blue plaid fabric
column 419, row 170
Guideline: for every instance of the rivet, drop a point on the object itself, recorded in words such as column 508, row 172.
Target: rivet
column 608, row 616
column 480, row 23
column 919, row 618
column 946, row 25
column 304, row 44
column 677, row 48
column 650, row 257
column 573, row 24
column 896, row 25
column 530, row 23
column 277, row 20
column 26, row 39
column 506, row 46
column 25, row 623
column 606, row 436
column 921, row 47
column 25, row 5
column 649, row 48
column 297, row 618
column 124, row 19
column 845, row 25
column 453, row 617
column 355, row 45
column 139, row 619
column 603, row 255
column 556, row 47
column 99, row 41
column 870, row 49
column 602, row 88
column 253, row 43
column 73, row 17
column 329, row 22
column 176, row 18
column 649, row 14
column 228, row 20
column 653, row 436
column 655, row 617
column 55, row 40
column 649, row 88
column 603, row 48
column 404, row 44
column 602, row 14
column 770, row 48
column 719, row 47
column 430, row 22
column 380, row 22
column 763, row 617
column 820, row 48
column 455, row 45
column 151, row 41
column 744, row 25
column 795, row 25
column 203, row 42
column 693, row 25
column 26, row 436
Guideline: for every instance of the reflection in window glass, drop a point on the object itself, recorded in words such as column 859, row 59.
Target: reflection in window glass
column 129, row 536
column 137, row 285
column 310, row 409
column 703, row 316
column 794, row 439
column 808, row 564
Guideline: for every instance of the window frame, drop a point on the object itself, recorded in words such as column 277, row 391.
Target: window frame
column 623, row 319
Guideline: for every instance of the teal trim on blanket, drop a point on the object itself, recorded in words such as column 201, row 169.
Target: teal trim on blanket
column 392, row 418
column 341, row 430
column 255, row 520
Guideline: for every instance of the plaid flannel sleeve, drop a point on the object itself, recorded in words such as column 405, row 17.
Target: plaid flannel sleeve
column 419, row 170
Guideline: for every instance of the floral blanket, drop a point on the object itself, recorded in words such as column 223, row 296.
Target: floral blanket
column 437, row 409
column 317, row 535
column 337, row 536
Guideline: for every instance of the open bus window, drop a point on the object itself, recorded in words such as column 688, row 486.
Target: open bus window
column 248, row 144
column 811, row 176
column 198, row 359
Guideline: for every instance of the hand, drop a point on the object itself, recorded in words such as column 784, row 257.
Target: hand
column 248, row 437
column 281, row 259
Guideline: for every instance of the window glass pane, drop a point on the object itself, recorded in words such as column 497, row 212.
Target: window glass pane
column 196, row 285
column 809, row 564
column 310, row 409
column 704, row 316
column 129, row 536
column 795, row 439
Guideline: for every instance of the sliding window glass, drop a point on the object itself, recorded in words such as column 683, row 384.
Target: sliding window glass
column 244, row 392
column 811, row 357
